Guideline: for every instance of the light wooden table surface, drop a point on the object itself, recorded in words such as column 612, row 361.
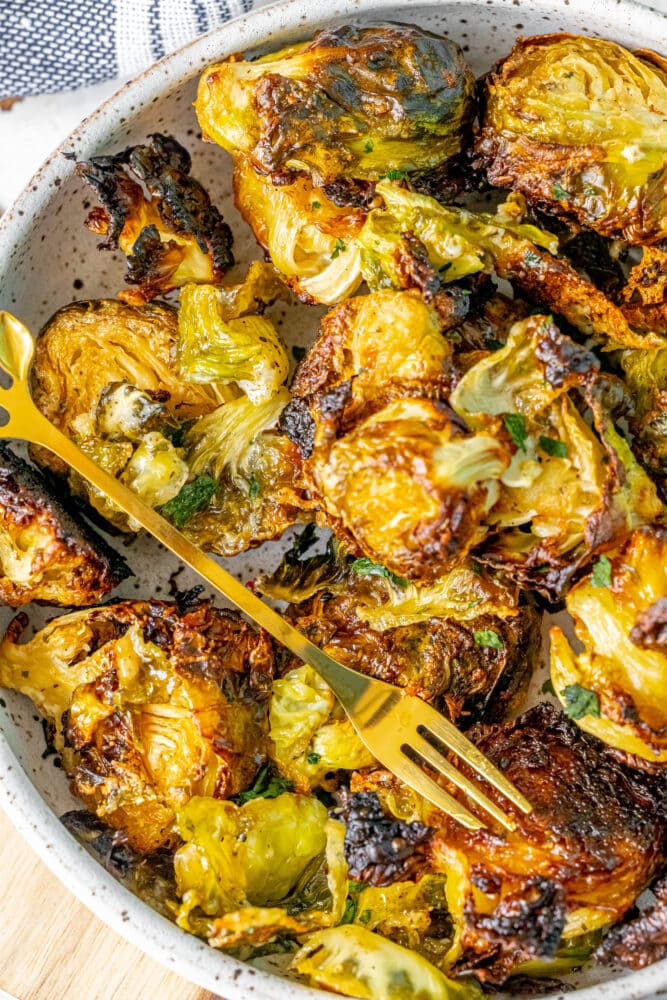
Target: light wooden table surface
column 53, row 948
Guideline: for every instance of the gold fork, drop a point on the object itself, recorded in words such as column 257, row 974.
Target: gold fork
column 400, row 730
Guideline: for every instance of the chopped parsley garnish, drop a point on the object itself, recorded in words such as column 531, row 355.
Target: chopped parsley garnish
column 365, row 917
column 531, row 258
column 589, row 192
column 559, row 192
column 314, row 758
column 338, row 248
column 192, row 498
column 253, row 487
column 515, row 425
column 547, row 687
column 351, row 903
column 315, row 205
column 557, row 449
column 267, row 786
column 579, row 701
column 366, row 567
column 487, row 637
column 395, row 175
column 368, row 146
column 601, row 573
column 473, row 604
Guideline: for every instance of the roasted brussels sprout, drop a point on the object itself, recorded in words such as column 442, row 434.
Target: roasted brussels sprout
column 615, row 688
column 646, row 378
column 462, row 642
column 594, row 841
column 573, row 487
column 357, row 962
column 413, row 228
column 399, row 478
column 47, row 553
column 645, row 293
column 355, row 102
column 149, row 706
column 578, row 124
column 308, row 237
column 248, row 874
column 160, row 217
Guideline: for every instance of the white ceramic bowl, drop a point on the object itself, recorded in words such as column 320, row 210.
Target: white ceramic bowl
column 47, row 259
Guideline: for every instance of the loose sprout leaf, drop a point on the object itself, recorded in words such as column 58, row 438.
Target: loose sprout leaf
column 253, row 487
column 559, row 192
column 192, row 498
column 515, row 425
column 487, row 637
column 557, row 449
column 601, row 573
column 366, row 567
column 579, row 701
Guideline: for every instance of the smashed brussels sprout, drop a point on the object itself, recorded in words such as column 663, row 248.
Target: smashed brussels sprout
column 594, row 841
column 149, row 706
column 248, row 874
column 161, row 218
column 357, row 962
column 573, row 487
column 578, row 124
column 354, row 103
column 47, row 552
column 616, row 687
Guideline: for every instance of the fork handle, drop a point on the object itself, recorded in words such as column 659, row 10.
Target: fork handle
column 346, row 683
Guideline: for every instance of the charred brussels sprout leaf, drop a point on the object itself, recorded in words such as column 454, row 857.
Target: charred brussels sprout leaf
column 150, row 706
column 618, row 680
column 267, row 786
column 159, row 216
column 578, row 124
column 366, row 567
column 355, row 102
column 455, row 242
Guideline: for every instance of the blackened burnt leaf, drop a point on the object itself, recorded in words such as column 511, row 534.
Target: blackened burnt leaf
column 159, row 216
column 379, row 849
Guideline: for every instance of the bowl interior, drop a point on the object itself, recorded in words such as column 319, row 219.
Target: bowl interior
column 48, row 259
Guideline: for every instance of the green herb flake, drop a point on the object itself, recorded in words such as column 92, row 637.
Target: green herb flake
column 579, row 701
column 487, row 637
column 547, row 687
column 589, row 192
column 531, row 258
column 192, row 498
column 365, row 917
column 315, row 205
column 559, row 192
column 253, row 487
column 366, row 567
column 473, row 604
column 394, row 175
column 515, row 425
column 368, row 146
column 476, row 567
column 298, row 353
column 350, row 911
column 338, row 249
column 601, row 573
column 267, row 786
column 444, row 267
column 314, row 758
column 557, row 449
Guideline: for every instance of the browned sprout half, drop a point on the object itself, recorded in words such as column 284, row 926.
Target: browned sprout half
column 159, row 216
column 149, row 705
column 47, row 553
column 398, row 476
column 573, row 487
column 578, row 125
column 642, row 939
column 595, row 839
column 354, row 103
column 616, row 686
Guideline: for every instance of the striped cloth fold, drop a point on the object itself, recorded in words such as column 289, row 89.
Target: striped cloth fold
column 53, row 45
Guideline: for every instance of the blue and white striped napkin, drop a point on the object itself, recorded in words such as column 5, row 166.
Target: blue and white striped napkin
column 53, row 45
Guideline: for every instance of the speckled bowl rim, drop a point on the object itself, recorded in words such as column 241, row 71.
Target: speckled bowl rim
column 80, row 873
